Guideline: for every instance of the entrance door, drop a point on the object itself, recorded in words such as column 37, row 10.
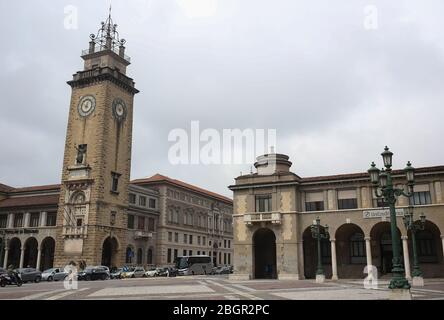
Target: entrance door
column 264, row 254
column 386, row 253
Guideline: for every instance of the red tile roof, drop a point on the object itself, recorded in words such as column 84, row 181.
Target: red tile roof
column 37, row 188
column 30, row 201
column 5, row 188
column 364, row 175
column 158, row 178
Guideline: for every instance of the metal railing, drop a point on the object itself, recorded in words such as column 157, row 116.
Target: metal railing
column 273, row 217
column 103, row 48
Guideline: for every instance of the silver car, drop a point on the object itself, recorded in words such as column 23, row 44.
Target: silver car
column 54, row 274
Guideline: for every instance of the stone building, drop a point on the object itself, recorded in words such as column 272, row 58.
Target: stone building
column 273, row 212
column 166, row 218
column 96, row 214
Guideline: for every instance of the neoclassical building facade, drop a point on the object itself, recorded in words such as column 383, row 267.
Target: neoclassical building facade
column 274, row 211
column 166, row 218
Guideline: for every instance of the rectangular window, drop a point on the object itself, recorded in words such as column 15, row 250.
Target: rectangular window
column 229, row 258
column 190, row 252
column 344, row 204
column 115, row 182
column 185, row 238
column 132, row 198
column 3, row 221
column 34, row 221
column 347, row 199
column 176, row 237
column 152, row 203
column 198, row 253
column 142, row 201
column 421, row 198
column 169, row 256
column 204, row 241
column 225, row 243
column 184, row 252
column 51, row 219
column 225, row 258
column 379, row 203
column 198, row 240
column 170, row 236
column 141, row 223
column 314, row 206
column 175, row 253
column 151, row 224
column 191, row 239
column 130, row 221
column 263, row 203
column 220, row 257
column 229, row 244
column 18, row 220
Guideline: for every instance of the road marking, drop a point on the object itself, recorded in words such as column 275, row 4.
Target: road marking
column 231, row 298
column 42, row 294
column 65, row 294
column 244, row 287
column 235, row 291
column 151, row 290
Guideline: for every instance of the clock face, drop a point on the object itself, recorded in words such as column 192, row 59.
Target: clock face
column 86, row 105
column 119, row 109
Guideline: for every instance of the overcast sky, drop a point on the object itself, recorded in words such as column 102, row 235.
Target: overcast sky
column 336, row 91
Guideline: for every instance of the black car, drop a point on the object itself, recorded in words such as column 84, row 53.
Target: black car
column 167, row 272
column 30, row 274
column 93, row 273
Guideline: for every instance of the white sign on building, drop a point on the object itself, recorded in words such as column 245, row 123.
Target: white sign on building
column 381, row 213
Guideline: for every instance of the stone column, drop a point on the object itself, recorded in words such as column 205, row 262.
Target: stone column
column 368, row 251
column 39, row 255
column 301, row 259
column 22, row 256
column 334, row 263
column 405, row 249
column 42, row 222
column 10, row 221
column 442, row 240
column 26, row 218
column 5, row 260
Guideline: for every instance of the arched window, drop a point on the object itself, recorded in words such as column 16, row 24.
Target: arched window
column 139, row 256
column 129, row 255
column 426, row 246
column 357, row 249
column 149, row 256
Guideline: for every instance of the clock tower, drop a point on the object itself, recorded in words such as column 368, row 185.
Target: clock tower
column 92, row 216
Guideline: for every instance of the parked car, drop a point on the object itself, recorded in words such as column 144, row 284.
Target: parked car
column 134, row 272
column 54, row 274
column 29, row 274
column 116, row 273
column 220, row 270
column 166, row 272
column 152, row 272
column 93, row 273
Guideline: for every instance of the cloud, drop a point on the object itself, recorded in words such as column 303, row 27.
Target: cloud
column 336, row 92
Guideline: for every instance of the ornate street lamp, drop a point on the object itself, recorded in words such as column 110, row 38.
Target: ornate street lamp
column 319, row 234
column 382, row 182
column 414, row 227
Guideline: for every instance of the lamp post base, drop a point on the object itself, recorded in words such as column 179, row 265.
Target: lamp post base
column 400, row 294
column 320, row 278
column 418, row 282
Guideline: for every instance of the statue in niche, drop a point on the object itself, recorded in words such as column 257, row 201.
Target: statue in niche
column 81, row 153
